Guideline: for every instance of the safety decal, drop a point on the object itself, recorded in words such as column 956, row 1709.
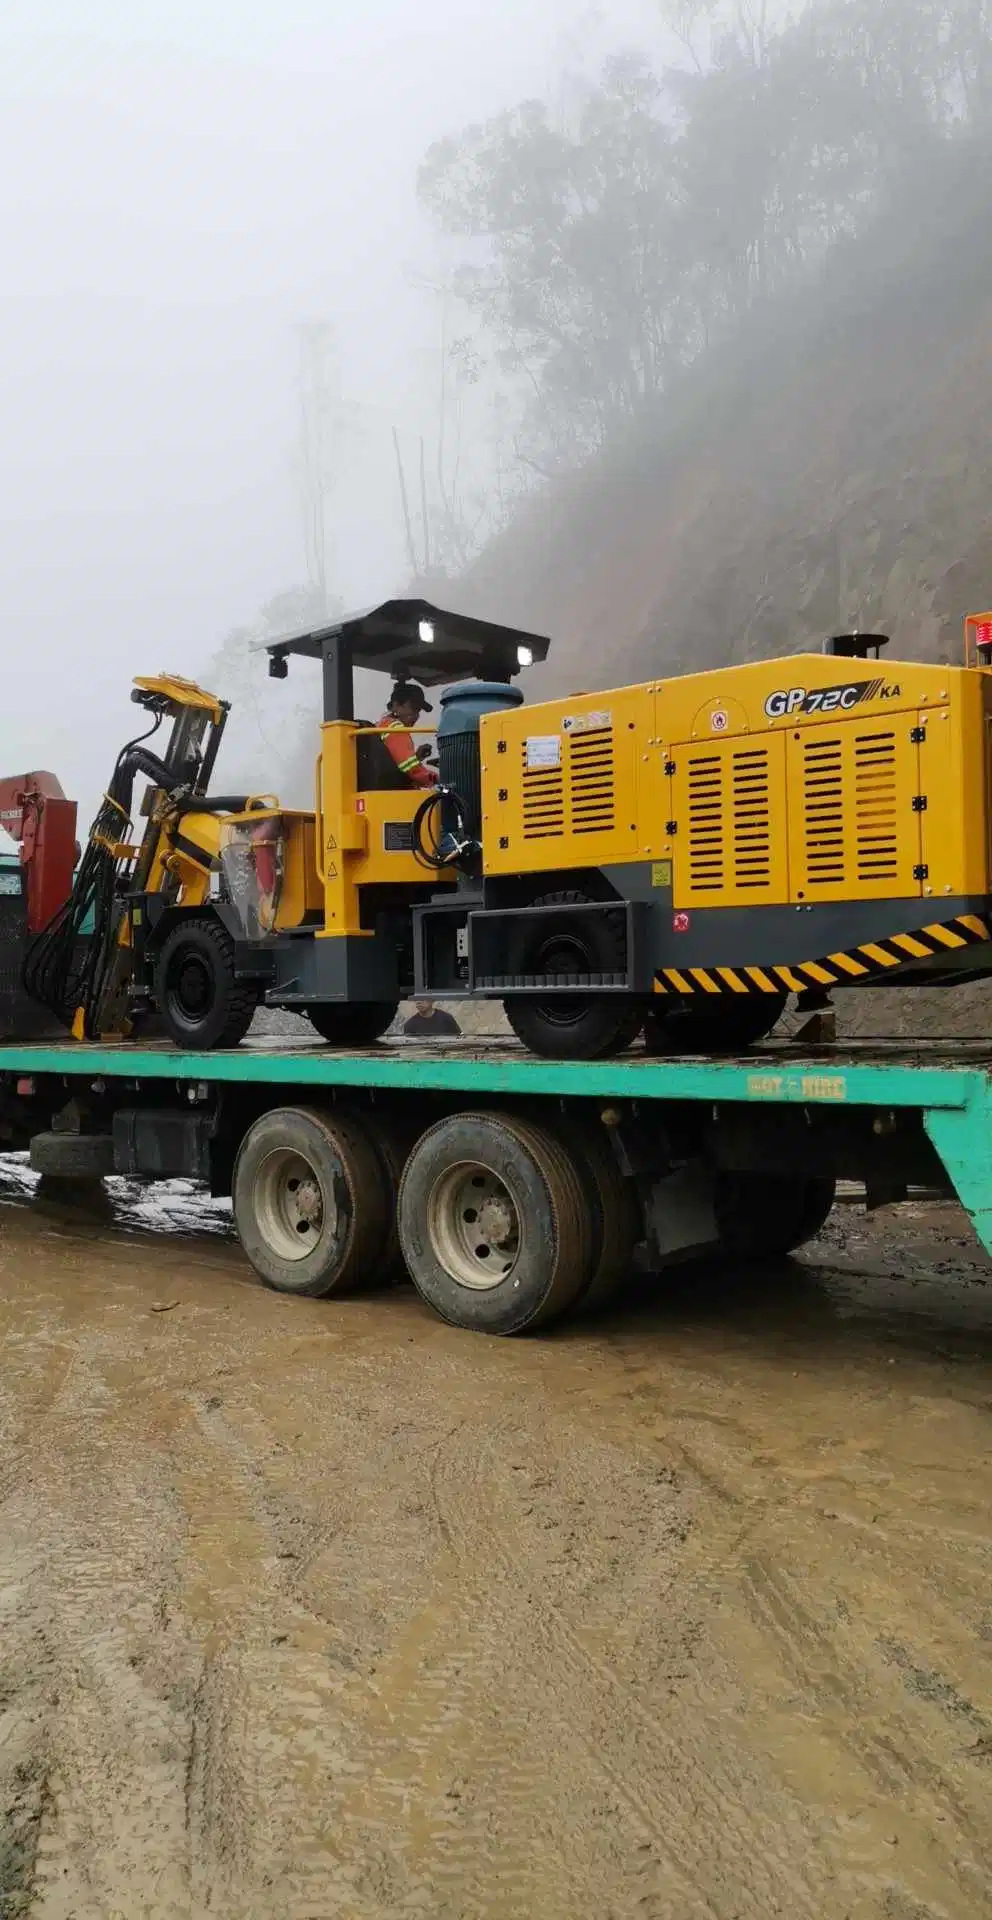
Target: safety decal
column 835, row 969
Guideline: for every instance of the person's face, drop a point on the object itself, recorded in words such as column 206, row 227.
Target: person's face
column 424, row 1007
column 407, row 712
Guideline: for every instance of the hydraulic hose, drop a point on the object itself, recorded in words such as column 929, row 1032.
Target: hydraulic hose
column 65, row 969
column 439, row 835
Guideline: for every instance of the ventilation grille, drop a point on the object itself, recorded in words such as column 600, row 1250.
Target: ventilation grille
column 706, row 870
column 543, row 800
column 876, row 806
column 823, row 804
column 751, row 802
column 590, row 764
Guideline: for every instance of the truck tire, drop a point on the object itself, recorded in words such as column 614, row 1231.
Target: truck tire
column 392, row 1137
column 494, row 1225
column 716, row 1023
column 614, row 1206
column 764, row 1216
column 200, row 1002
column 580, row 1026
column 352, row 1024
column 72, row 1156
column 310, row 1201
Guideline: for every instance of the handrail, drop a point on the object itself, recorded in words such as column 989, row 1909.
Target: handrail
column 318, row 822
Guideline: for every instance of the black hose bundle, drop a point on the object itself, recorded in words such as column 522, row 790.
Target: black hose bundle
column 66, row 967
column 439, row 834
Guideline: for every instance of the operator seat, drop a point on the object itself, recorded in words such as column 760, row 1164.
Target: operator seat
column 377, row 770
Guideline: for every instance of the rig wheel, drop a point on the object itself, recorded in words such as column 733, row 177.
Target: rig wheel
column 763, row 1216
column 310, row 1202
column 200, row 1003
column 494, row 1224
column 572, row 1026
column 717, row 1023
column 352, row 1024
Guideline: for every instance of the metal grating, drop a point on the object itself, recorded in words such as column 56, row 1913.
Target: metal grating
column 543, row 791
column 751, row 812
column 876, row 806
column 705, row 796
column 591, row 782
column 823, row 805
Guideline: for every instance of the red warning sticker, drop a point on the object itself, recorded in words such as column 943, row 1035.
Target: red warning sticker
column 680, row 923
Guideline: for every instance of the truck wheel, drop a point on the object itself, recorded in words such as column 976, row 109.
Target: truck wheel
column 763, row 1216
column 352, row 1024
column 310, row 1201
column 494, row 1225
column 614, row 1206
column 571, row 1026
column 72, row 1156
column 723, row 1023
column 201, row 1003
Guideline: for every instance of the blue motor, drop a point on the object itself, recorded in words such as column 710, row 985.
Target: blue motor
column 462, row 708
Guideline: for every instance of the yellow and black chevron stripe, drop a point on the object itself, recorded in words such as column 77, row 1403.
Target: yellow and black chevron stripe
column 835, row 969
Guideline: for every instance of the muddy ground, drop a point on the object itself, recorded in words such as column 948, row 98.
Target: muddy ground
column 328, row 1611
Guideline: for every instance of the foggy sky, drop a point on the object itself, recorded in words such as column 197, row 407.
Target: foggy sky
column 180, row 185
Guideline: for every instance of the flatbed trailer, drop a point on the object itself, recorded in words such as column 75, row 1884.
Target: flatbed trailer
column 512, row 1189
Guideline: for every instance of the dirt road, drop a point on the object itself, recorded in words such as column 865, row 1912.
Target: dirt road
column 329, row 1611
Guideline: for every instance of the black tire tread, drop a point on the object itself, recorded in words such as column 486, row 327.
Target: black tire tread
column 766, row 1216
column 346, row 1135
column 525, row 1019
column 355, row 1023
column 242, row 999
column 619, row 1223
column 569, row 1210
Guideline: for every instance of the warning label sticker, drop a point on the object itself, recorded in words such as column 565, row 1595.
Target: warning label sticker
column 544, row 750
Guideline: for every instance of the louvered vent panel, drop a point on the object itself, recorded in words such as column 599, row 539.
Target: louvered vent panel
column 876, row 806
column 543, row 800
column 823, row 808
column 590, row 765
column 706, row 822
column 751, row 806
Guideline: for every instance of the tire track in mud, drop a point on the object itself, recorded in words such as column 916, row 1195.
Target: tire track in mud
column 682, row 1793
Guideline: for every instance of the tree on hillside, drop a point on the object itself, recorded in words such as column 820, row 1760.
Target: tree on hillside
column 605, row 244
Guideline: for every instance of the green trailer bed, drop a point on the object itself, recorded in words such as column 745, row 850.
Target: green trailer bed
column 739, row 1137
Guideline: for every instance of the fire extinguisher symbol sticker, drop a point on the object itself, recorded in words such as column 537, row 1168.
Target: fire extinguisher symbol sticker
column 680, row 923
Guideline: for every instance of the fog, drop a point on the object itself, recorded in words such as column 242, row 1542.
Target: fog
column 181, row 186
column 511, row 242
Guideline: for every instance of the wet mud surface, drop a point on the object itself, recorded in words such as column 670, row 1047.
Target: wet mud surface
column 326, row 1611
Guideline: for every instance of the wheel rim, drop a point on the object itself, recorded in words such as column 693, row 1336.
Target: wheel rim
column 189, row 986
column 563, row 952
column 289, row 1204
column 474, row 1226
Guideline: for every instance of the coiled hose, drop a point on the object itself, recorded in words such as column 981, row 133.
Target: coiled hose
column 439, row 833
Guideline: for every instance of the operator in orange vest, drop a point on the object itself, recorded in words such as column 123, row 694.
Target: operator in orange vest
column 406, row 704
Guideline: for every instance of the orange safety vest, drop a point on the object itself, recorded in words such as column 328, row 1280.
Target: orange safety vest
column 399, row 744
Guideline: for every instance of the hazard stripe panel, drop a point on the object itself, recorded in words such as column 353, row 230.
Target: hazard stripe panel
column 836, row 969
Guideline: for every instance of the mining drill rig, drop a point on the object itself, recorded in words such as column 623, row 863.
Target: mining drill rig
column 686, row 852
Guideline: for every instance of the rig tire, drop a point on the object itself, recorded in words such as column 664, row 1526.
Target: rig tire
column 582, row 1026
column 200, row 1003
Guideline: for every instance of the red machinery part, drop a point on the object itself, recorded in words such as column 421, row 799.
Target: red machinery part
column 36, row 813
